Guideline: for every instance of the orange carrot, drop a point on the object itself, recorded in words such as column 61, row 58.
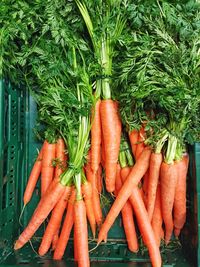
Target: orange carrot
column 33, row 178
column 127, row 216
column 66, row 228
column 136, row 174
column 45, row 206
column 145, row 187
column 60, row 156
column 140, row 145
column 87, row 194
column 154, row 172
column 75, row 245
column 96, row 138
column 81, row 233
column 54, row 222
column 55, row 240
column 180, row 195
column 49, row 153
column 99, row 180
column 133, row 137
column 103, row 155
column 157, row 217
column 92, row 178
column 168, row 179
column 111, row 135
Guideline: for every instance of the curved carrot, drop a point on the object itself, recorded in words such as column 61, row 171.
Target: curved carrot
column 154, row 172
column 96, row 137
column 127, row 216
column 87, row 195
column 132, row 180
column 157, row 217
column 140, row 145
column 33, row 178
column 111, row 135
column 168, row 180
column 80, row 221
column 54, row 222
column 60, row 156
column 49, row 153
column 66, row 228
column 180, row 195
column 45, row 206
column 92, row 178
column 133, row 137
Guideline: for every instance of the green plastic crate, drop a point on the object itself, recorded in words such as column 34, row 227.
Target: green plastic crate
column 18, row 150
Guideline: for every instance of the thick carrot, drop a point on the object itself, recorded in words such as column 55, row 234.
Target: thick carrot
column 145, row 187
column 49, row 153
column 99, row 180
column 33, row 178
column 168, row 180
column 54, row 222
column 140, row 145
column 180, row 195
column 92, row 178
column 145, row 227
column 96, row 137
column 60, row 156
column 133, row 137
column 157, row 217
column 87, row 195
column 127, row 217
column 136, row 174
column 55, row 240
column 66, row 228
column 81, row 233
column 45, row 206
column 154, row 172
column 111, row 135
column 103, row 155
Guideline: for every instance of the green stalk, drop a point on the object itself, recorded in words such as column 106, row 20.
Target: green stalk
column 162, row 141
column 77, row 181
column 171, row 149
column 122, row 159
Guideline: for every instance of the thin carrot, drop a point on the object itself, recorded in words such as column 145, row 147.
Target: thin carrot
column 87, row 194
column 54, row 222
column 145, row 187
column 45, row 206
column 60, row 156
column 157, row 217
column 33, row 178
column 49, row 153
column 180, row 195
column 66, row 228
column 127, row 215
column 133, row 179
column 154, row 172
column 140, row 145
column 81, row 233
column 133, row 137
column 96, row 137
column 55, row 240
column 92, row 178
column 75, row 245
column 103, row 155
column 99, row 179
column 168, row 180
column 111, row 135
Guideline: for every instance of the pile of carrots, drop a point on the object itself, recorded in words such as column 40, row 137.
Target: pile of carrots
column 149, row 193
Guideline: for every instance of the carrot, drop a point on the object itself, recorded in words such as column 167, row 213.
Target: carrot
column 45, row 206
column 145, row 187
column 127, row 216
column 87, row 194
column 180, row 195
column 96, row 137
column 75, row 245
column 66, row 228
column 92, row 178
column 33, row 178
column 81, row 233
column 55, row 239
column 154, row 172
column 140, row 145
column 145, row 227
column 133, row 179
column 157, row 217
column 168, row 179
column 111, row 129
column 103, row 156
column 60, row 156
column 99, row 180
column 54, row 222
column 133, row 137
column 49, row 153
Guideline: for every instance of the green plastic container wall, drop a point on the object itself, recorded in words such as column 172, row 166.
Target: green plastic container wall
column 18, row 150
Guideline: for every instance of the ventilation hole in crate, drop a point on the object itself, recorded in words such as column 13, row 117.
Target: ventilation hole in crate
column 4, row 196
column 11, row 220
column 12, row 157
column 11, row 204
column 11, row 170
column 11, row 193
column 13, row 134
column 14, row 112
column 12, row 147
column 11, row 181
column 11, row 198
